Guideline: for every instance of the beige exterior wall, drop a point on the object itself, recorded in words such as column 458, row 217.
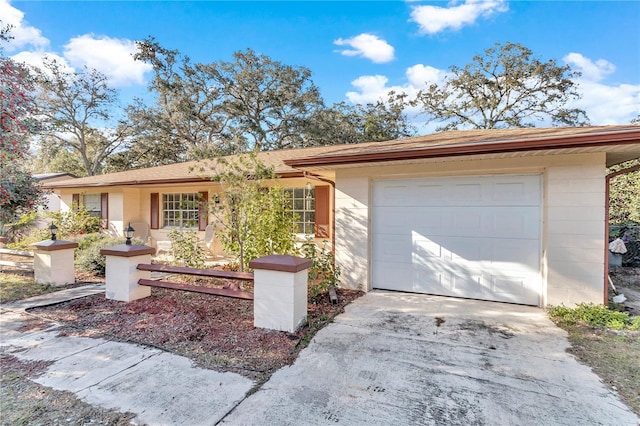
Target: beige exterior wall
column 116, row 216
column 575, row 231
column 352, row 254
column 573, row 214
column 66, row 199
column 132, row 204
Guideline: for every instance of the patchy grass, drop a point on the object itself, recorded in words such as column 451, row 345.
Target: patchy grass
column 609, row 343
column 21, row 285
column 24, row 402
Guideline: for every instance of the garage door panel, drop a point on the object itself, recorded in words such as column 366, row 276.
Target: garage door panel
column 473, row 236
column 512, row 286
column 427, row 278
column 515, row 255
column 394, row 248
column 394, row 193
column 401, row 221
column 466, row 249
column 514, row 289
column 425, row 249
column 514, row 191
column 466, row 192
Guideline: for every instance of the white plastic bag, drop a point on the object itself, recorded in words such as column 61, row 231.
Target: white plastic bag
column 617, row 246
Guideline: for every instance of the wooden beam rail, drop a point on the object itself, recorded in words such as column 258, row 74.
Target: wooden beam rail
column 226, row 292
column 211, row 273
column 245, row 276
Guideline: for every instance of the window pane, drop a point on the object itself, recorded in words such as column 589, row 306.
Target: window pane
column 180, row 210
column 303, row 206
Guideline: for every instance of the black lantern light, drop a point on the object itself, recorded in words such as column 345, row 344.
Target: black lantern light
column 54, row 231
column 128, row 233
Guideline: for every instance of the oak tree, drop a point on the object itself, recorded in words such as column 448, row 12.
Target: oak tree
column 505, row 87
column 77, row 109
column 349, row 124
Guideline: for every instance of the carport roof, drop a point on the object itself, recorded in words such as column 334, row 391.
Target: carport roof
column 621, row 143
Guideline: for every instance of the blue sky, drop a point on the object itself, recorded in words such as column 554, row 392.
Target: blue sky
column 357, row 51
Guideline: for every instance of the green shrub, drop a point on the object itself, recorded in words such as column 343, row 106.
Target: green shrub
column 86, row 240
column 187, row 250
column 89, row 259
column 595, row 316
column 272, row 226
column 75, row 222
column 323, row 274
column 72, row 225
column 21, row 228
column 35, row 236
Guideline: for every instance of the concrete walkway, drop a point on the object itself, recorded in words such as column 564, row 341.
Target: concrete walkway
column 160, row 388
column 391, row 359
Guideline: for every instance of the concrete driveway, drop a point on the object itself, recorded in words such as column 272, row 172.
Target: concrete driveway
column 391, row 359
column 403, row 359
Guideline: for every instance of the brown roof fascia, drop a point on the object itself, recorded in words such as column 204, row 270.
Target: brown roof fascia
column 128, row 183
column 153, row 182
column 504, row 146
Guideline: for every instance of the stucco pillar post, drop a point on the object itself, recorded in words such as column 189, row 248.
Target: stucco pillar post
column 280, row 292
column 121, row 275
column 53, row 262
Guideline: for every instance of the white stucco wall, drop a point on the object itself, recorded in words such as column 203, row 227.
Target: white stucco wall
column 352, row 202
column 573, row 215
column 66, row 199
column 575, row 231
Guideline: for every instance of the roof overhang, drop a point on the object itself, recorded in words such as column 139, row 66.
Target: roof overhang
column 604, row 141
column 150, row 182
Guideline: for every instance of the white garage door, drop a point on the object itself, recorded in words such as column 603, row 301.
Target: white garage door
column 474, row 236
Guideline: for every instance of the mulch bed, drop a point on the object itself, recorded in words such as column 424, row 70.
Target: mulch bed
column 216, row 332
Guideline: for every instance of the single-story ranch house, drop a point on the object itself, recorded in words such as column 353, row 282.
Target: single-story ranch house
column 510, row 215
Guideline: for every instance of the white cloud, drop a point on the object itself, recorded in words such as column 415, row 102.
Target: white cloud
column 433, row 19
column 420, row 76
column 36, row 59
column 371, row 88
column 23, row 34
column 604, row 103
column 592, row 71
column 367, row 46
column 112, row 57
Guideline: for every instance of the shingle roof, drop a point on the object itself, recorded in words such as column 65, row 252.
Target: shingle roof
column 191, row 171
column 457, row 142
column 472, row 142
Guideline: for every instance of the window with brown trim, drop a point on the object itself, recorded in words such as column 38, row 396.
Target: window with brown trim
column 104, row 210
column 97, row 205
column 303, row 205
column 311, row 206
column 203, row 210
column 155, row 210
column 322, row 226
column 180, row 210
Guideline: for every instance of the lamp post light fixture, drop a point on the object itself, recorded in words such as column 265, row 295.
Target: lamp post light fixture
column 128, row 233
column 54, row 231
